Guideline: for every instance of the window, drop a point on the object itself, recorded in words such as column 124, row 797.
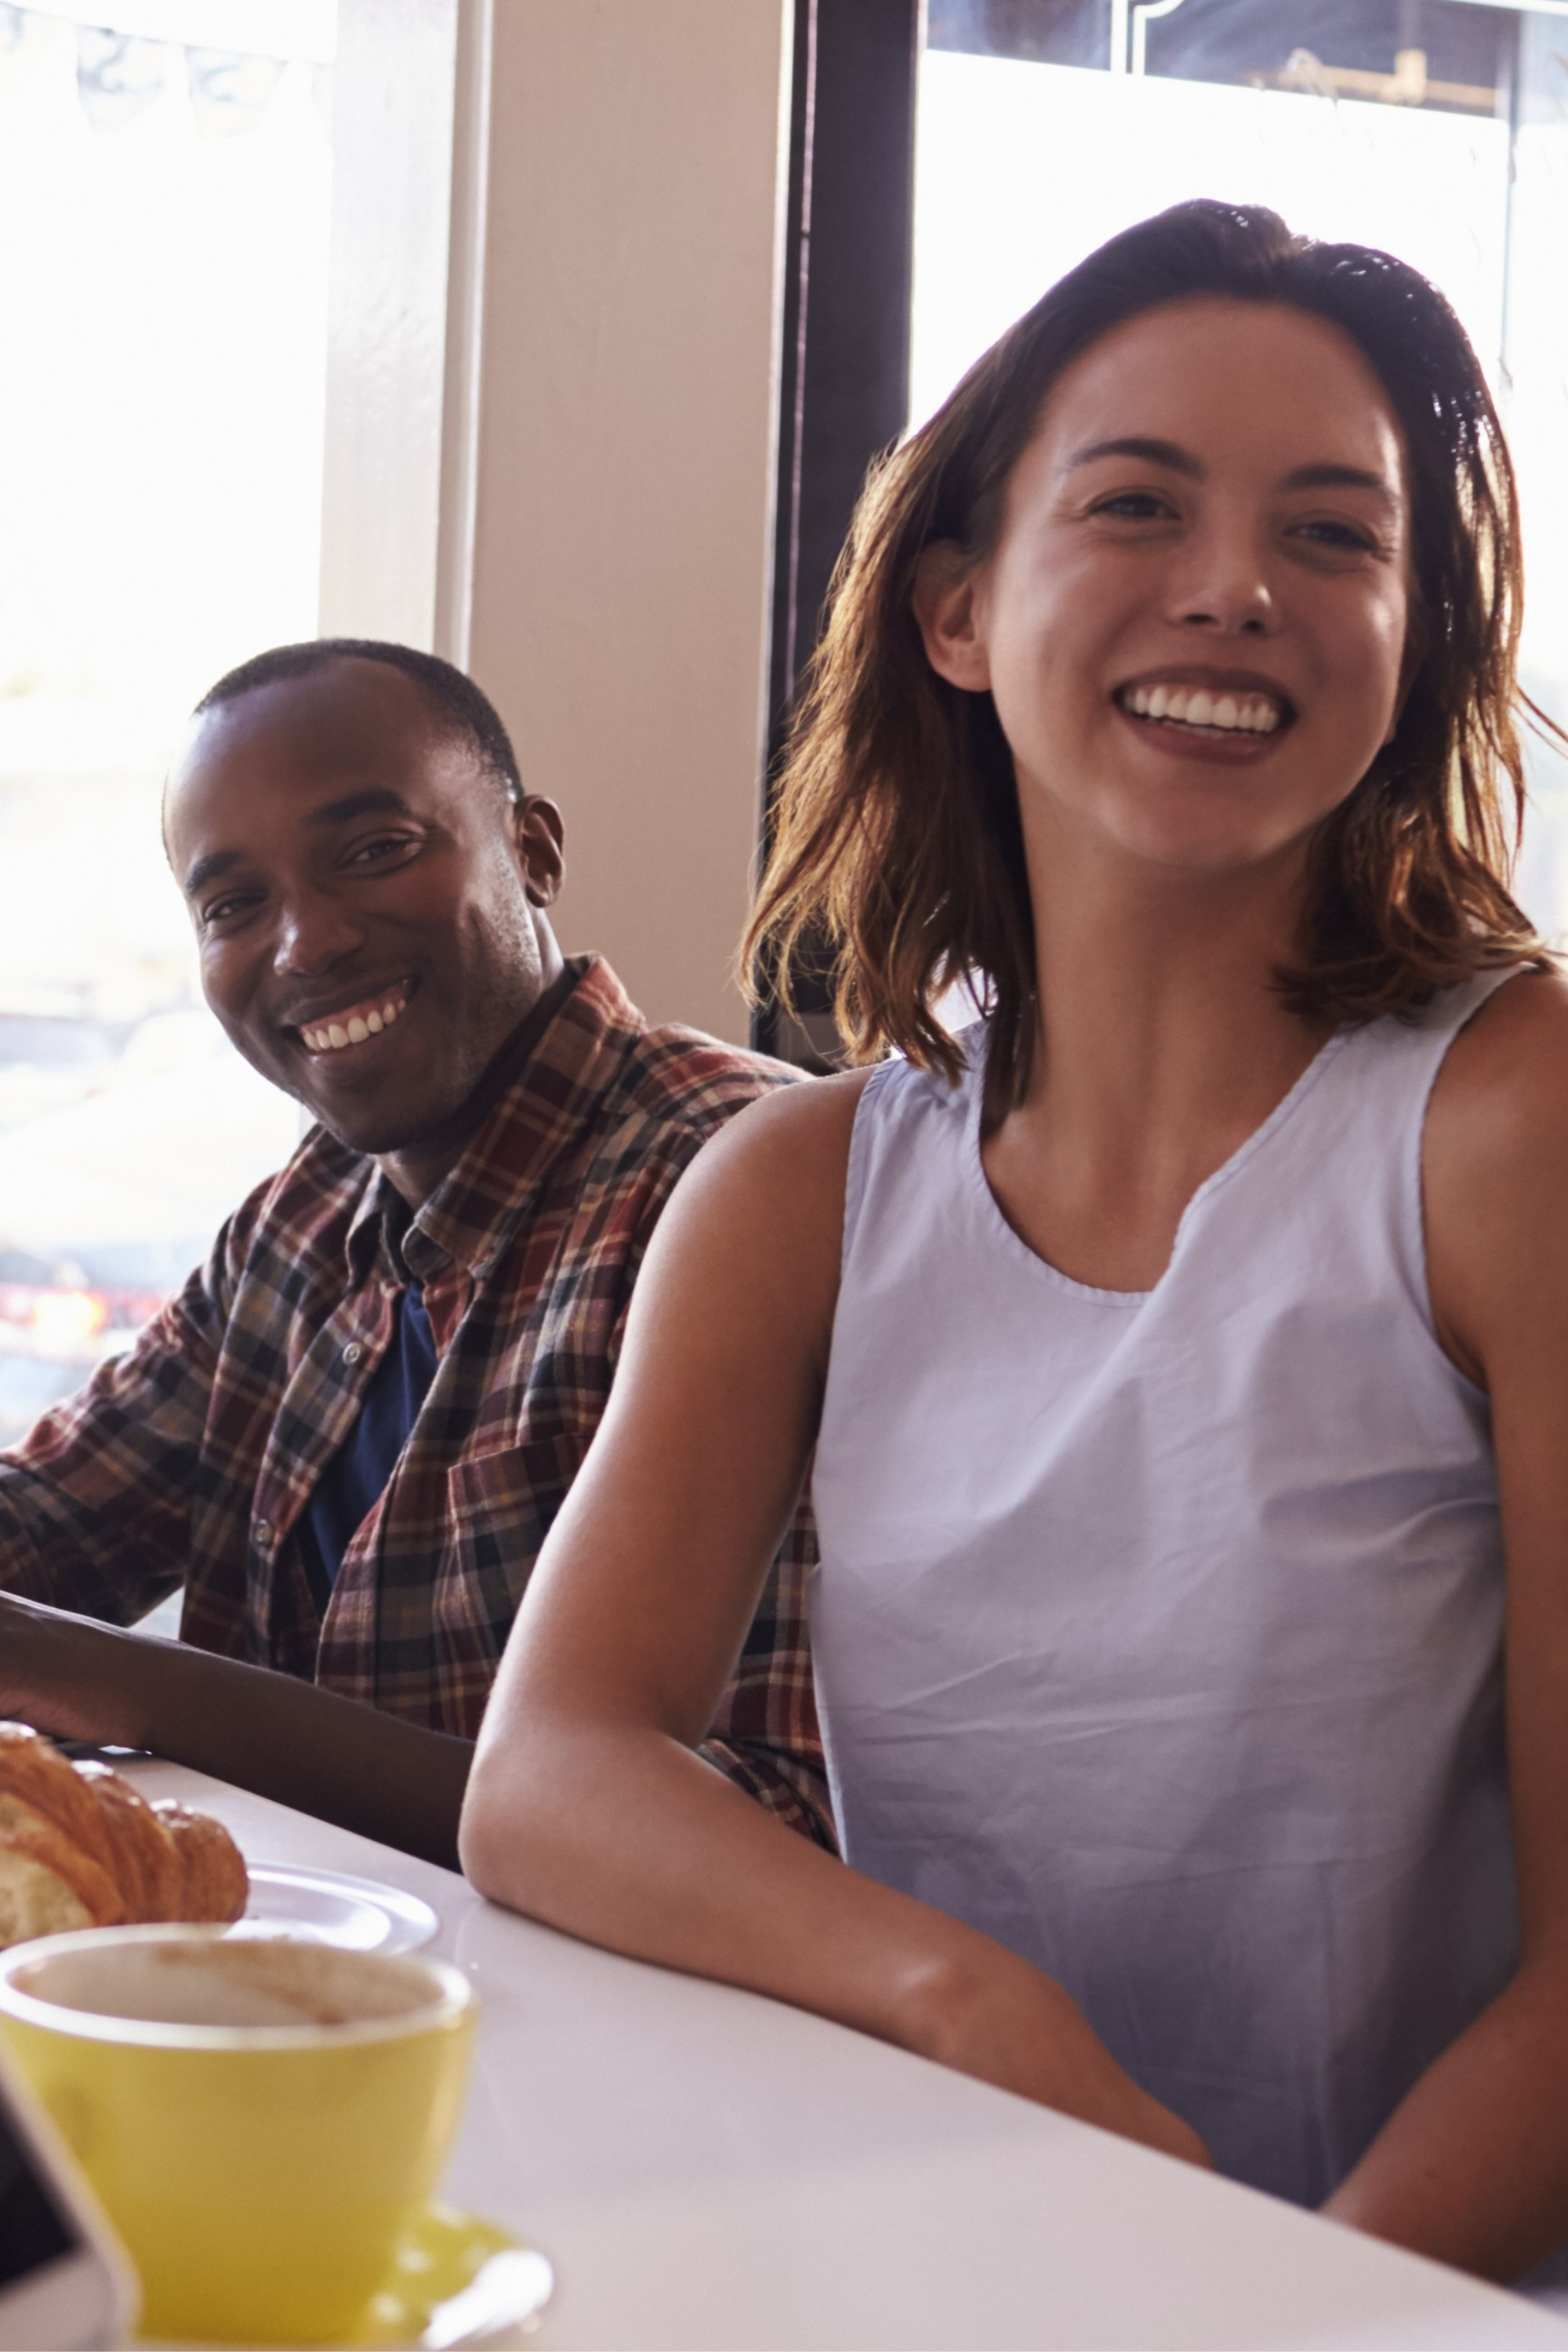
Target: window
column 1437, row 130
column 165, row 216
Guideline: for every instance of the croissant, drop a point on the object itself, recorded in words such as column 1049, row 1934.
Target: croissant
column 79, row 1847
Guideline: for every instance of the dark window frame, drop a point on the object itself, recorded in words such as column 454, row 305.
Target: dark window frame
column 845, row 346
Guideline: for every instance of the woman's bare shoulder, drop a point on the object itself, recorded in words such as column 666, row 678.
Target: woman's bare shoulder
column 1504, row 1081
column 759, row 1215
column 795, row 1138
column 1495, row 1168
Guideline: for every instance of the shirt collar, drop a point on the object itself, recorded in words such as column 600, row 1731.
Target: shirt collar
column 554, row 1097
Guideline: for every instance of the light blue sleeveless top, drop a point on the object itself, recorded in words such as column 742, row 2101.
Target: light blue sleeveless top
column 1159, row 1634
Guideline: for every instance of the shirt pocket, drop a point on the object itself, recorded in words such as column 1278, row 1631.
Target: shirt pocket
column 500, row 1507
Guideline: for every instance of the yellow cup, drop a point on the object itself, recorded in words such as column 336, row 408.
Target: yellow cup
column 263, row 2120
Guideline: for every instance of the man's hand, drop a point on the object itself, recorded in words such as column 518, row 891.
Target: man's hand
column 54, row 1674
column 284, row 1738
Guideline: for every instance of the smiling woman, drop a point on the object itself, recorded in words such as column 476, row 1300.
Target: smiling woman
column 912, row 788
column 1169, row 1348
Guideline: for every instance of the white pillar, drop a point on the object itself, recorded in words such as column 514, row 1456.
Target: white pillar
column 623, row 476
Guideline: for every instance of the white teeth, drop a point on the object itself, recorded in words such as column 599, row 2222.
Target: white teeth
column 1246, row 714
column 331, row 1036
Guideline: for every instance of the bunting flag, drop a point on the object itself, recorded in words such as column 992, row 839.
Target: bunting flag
column 118, row 74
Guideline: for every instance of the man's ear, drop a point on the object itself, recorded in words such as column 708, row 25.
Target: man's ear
column 946, row 610
column 538, row 832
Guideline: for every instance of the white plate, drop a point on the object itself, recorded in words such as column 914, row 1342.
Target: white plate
column 358, row 1914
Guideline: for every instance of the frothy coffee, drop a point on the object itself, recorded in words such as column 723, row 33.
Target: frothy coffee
column 235, row 1984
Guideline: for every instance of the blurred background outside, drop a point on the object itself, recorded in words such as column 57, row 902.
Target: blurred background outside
column 165, row 205
column 1436, row 128
column 164, row 210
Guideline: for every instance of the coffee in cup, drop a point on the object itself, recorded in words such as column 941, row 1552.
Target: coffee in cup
column 263, row 2120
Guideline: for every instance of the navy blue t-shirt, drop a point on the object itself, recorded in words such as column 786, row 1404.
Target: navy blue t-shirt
column 357, row 1473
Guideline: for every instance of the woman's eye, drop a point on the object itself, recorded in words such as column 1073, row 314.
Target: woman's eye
column 1325, row 532
column 1134, row 505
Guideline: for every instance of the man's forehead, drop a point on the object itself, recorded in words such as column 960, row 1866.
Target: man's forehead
column 341, row 715
column 291, row 748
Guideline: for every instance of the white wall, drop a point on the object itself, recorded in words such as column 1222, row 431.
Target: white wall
column 625, row 488
column 593, row 542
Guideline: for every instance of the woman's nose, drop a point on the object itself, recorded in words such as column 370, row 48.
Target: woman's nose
column 1224, row 587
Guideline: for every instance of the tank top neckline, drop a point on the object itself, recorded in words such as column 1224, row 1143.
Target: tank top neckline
column 1246, row 1151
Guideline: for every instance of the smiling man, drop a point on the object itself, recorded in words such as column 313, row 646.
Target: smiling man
column 348, row 1435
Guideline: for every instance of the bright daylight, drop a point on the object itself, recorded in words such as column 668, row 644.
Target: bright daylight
column 784, row 1175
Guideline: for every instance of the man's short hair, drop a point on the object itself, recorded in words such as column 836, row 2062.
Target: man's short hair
column 459, row 706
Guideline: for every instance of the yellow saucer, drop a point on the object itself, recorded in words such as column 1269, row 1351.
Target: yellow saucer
column 439, row 2260
column 443, row 2253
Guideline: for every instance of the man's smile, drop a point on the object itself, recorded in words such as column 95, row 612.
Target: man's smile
column 354, row 1024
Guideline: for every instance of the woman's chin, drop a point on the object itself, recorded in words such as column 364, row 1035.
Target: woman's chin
column 1211, row 846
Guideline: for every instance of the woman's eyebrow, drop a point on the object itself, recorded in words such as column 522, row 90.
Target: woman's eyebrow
column 1342, row 477
column 1169, row 454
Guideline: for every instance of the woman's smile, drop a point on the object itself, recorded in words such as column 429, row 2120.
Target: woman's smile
column 1201, row 573
column 1202, row 714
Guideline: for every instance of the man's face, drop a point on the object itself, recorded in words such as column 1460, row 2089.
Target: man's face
column 363, row 897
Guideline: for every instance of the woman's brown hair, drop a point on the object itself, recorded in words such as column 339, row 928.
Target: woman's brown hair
column 897, row 840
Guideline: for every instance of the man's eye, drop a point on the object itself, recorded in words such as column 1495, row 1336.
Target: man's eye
column 385, row 846
column 222, row 909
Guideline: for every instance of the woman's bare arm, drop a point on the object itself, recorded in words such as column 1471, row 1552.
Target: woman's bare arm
column 1473, row 2165
column 587, row 1805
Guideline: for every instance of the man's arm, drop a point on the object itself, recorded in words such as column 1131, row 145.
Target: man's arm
column 95, row 1513
column 95, row 1502
column 765, row 1736
column 281, row 1737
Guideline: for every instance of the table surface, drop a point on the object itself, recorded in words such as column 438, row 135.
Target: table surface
column 705, row 2168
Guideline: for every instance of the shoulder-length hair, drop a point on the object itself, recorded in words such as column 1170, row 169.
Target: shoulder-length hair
column 898, row 851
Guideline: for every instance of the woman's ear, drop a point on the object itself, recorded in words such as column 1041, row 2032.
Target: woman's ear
column 946, row 610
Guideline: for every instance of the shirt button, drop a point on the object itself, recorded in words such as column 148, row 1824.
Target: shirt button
column 264, row 1534
column 353, row 1352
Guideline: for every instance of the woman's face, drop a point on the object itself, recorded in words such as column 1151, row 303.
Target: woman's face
column 1195, row 619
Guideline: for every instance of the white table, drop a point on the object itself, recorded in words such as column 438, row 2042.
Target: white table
column 708, row 2168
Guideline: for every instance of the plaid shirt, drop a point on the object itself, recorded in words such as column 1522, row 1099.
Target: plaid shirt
column 191, row 1458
